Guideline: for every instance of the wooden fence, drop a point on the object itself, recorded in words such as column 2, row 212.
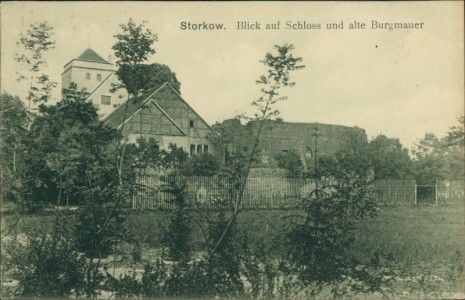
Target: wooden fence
column 212, row 192
column 274, row 192
column 395, row 192
column 449, row 192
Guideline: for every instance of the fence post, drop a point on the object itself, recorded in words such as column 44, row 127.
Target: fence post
column 415, row 192
column 436, row 192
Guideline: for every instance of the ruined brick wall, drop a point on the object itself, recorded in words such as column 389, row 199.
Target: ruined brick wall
column 277, row 137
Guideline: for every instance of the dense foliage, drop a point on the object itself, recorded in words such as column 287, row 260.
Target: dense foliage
column 142, row 77
column 232, row 143
column 13, row 133
column 389, row 159
column 440, row 158
column 49, row 266
column 69, row 157
column 291, row 162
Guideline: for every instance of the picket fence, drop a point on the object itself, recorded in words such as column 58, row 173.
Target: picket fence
column 273, row 192
column 212, row 192
column 395, row 192
column 449, row 192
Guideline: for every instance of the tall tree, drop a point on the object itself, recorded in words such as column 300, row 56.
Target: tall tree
column 34, row 44
column 70, row 156
column 456, row 134
column 133, row 46
column 141, row 77
column 279, row 66
column 389, row 159
column 440, row 158
column 13, row 133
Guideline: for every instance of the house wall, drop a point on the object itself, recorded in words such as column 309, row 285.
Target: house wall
column 76, row 70
column 116, row 98
column 181, row 113
column 151, row 121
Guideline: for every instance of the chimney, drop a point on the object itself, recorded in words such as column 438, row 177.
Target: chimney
column 110, row 59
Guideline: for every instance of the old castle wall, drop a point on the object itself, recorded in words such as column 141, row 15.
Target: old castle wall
column 277, row 137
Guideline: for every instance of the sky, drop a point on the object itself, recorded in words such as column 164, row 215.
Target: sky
column 400, row 83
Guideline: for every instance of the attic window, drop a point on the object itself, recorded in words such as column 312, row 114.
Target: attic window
column 99, row 77
column 191, row 123
column 87, row 75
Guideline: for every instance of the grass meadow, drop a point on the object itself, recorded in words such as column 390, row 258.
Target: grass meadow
column 424, row 241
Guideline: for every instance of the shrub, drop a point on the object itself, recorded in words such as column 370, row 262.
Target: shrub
column 176, row 237
column 291, row 162
column 48, row 265
column 201, row 165
column 317, row 244
column 126, row 286
column 97, row 231
column 153, row 280
column 208, row 277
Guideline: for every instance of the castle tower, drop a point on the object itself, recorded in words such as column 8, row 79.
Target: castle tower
column 95, row 74
column 88, row 70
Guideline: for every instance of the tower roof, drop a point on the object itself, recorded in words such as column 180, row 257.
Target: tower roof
column 91, row 55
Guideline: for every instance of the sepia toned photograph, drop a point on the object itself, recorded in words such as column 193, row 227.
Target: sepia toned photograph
column 232, row 150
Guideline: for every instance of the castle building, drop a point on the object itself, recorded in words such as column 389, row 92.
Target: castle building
column 160, row 113
column 96, row 75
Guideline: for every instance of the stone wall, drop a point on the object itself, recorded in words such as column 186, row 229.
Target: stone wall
column 277, row 137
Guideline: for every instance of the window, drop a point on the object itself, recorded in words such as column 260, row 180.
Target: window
column 87, row 75
column 192, row 152
column 105, row 100
column 199, row 149
column 205, row 149
column 191, row 123
column 99, row 77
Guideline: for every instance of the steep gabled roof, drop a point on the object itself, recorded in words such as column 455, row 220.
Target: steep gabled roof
column 91, row 55
column 128, row 108
column 190, row 107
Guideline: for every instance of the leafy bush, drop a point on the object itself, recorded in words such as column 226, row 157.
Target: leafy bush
column 208, row 277
column 153, row 280
column 291, row 162
column 201, row 165
column 97, row 231
column 126, row 286
column 176, row 237
column 317, row 243
column 49, row 265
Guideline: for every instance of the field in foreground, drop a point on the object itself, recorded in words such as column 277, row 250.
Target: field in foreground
column 424, row 241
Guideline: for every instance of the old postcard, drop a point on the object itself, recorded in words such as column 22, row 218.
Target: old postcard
column 232, row 150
